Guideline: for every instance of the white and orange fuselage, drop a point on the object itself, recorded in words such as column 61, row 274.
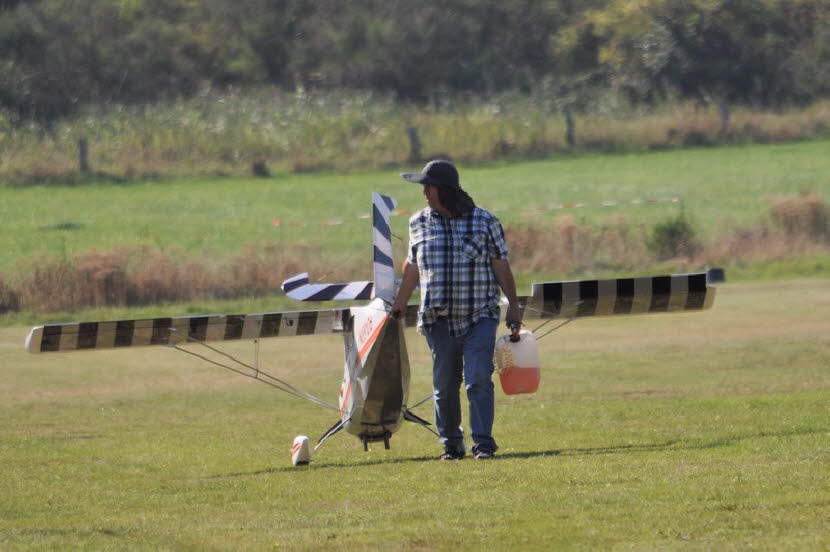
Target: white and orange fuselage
column 375, row 384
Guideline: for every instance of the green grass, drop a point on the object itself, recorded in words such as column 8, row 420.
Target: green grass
column 690, row 431
column 720, row 188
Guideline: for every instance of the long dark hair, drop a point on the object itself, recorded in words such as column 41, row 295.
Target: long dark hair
column 455, row 200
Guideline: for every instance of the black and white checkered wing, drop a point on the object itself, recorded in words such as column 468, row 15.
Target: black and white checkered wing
column 649, row 294
column 81, row 336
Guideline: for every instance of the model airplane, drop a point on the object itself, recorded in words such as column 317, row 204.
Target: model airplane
column 374, row 392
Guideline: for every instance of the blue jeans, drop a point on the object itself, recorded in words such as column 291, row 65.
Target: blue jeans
column 471, row 357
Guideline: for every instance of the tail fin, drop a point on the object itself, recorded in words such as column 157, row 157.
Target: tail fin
column 298, row 287
column 383, row 264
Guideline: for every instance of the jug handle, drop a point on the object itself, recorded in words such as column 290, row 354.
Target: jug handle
column 514, row 332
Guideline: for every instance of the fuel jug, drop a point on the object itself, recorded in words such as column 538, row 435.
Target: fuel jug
column 517, row 363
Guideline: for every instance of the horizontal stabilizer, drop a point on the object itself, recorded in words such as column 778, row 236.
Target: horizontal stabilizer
column 298, row 287
column 649, row 294
column 169, row 331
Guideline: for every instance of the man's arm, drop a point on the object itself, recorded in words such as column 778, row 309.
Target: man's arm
column 410, row 280
column 504, row 276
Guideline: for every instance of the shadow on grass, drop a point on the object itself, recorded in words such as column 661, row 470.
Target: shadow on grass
column 324, row 465
column 675, row 445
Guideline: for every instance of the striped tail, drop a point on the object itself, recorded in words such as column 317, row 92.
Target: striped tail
column 298, row 287
column 383, row 265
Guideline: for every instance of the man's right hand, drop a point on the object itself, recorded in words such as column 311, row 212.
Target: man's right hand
column 408, row 283
column 514, row 316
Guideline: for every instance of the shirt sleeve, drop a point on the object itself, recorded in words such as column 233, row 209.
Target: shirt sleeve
column 497, row 245
column 411, row 256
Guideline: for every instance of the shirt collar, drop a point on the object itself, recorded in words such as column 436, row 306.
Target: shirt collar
column 432, row 213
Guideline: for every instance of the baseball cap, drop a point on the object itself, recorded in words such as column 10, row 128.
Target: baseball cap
column 435, row 173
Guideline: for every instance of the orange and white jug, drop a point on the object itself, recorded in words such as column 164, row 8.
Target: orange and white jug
column 517, row 363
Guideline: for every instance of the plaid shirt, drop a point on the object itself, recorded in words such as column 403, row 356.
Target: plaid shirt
column 453, row 257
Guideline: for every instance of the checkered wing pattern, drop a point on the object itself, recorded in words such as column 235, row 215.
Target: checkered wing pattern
column 650, row 294
column 169, row 331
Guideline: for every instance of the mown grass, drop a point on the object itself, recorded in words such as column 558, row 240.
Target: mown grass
column 661, row 432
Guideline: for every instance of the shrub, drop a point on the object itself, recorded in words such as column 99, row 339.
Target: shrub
column 674, row 237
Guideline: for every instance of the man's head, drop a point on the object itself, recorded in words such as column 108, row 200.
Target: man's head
column 442, row 188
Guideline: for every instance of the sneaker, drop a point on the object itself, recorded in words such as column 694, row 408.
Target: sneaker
column 485, row 455
column 451, row 455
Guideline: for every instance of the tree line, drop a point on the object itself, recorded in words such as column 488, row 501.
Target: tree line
column 58, row 55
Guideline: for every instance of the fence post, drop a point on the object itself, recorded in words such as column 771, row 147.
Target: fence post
column 723, row 108
column 83, row 155
column 570, row 128
column 414, row 144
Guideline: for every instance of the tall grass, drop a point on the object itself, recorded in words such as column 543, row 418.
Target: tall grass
column 577, row 248
column 9, row 300
column 142, row 275
column 796, row 226
column 229, row 132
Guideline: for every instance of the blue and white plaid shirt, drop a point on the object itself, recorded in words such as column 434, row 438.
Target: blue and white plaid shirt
column 453, row 257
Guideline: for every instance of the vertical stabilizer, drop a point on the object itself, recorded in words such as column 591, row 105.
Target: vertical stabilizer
column 383, row 265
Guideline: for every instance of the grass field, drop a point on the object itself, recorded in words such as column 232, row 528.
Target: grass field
column 720, row 189
column 690, row 431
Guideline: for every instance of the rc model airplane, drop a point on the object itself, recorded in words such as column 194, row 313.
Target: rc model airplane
column 374, row 393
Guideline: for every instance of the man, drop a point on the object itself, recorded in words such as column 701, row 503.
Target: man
column 458, row 254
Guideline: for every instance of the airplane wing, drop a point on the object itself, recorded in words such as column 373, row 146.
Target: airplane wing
column 648, row 294
column 573, row 299
column 81, row 336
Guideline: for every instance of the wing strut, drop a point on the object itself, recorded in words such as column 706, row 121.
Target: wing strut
column 329, row 432
column 254, row 372
column 409, row 416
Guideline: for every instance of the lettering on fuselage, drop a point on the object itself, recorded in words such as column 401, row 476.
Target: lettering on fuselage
column 365, row 332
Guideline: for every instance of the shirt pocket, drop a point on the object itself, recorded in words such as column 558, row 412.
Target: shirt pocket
column 474, row 245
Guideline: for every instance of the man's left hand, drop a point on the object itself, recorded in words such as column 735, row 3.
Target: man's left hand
column 514, row 315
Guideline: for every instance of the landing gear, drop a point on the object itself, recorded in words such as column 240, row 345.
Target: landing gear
column 374, row 438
